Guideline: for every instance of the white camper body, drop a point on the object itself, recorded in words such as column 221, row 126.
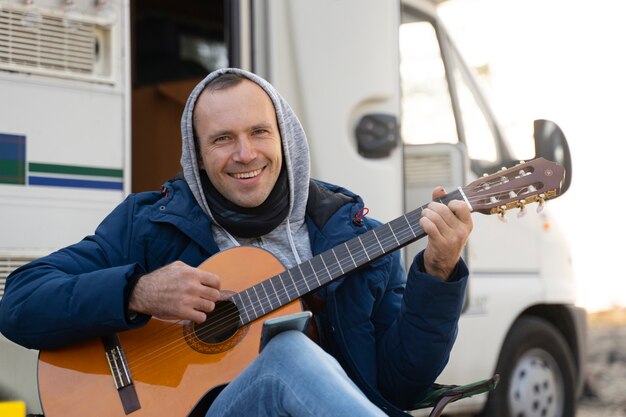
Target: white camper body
column 92, row 91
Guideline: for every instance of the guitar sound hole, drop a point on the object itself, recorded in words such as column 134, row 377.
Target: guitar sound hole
column 220, row 325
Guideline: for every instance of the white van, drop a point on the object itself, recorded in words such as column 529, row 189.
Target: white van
column 92, row 92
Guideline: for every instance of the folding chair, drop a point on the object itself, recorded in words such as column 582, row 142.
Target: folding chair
column 440, row 396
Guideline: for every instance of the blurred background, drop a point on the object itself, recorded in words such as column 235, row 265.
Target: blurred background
column 565, row 61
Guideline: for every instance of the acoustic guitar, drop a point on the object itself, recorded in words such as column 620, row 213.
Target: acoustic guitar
column 166, row 367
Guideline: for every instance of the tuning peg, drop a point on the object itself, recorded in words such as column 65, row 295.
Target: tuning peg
column 522, row 208
column 542, row 203
column 502, row 214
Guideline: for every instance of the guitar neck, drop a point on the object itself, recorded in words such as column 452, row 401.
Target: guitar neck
column 334, row 263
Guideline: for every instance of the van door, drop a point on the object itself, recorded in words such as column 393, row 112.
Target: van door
column 339, row 71
column 173, row 46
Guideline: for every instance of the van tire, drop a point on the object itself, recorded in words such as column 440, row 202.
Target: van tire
column 537, row 373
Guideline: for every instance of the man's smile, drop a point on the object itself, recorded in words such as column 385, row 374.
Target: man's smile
column 246, row 175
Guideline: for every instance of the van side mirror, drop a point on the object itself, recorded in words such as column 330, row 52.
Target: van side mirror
column 550, row 143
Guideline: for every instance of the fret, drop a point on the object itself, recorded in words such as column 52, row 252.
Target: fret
column 409, row 224
column 385, row 240
column 415, row 216
column 330, row 276
column 268, row 293
column 338, row 262
column 274, row 289
column 284, row 287
column 256, row 294
column 371, row 245
column 319, row 268
column 393, row 234
column 350, row 253
column 401, row 230
column 240, row 307
column 306, row 273
column 295, row 286
column 250, row 305
column 316, row 270
column 363, row 246
column 355, row 246
column 343, row 256
column 378, row 240
column 267, row 296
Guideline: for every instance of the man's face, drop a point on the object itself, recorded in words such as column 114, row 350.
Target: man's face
column 239, row 142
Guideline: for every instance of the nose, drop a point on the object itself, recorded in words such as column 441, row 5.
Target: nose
column 245, row 151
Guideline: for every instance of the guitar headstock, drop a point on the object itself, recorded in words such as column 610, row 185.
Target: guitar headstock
column 528, row 182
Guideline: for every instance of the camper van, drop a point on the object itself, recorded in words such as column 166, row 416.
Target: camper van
column 93, row 90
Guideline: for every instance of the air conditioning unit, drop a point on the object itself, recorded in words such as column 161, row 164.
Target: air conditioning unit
column 59, row 43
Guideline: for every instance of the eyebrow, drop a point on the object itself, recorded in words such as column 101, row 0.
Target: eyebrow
column 262, row 125
column 218, row 134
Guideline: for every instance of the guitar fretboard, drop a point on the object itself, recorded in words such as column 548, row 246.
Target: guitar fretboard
column 281, row 289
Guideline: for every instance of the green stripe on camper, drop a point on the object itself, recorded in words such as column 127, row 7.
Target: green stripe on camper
column 74, row 170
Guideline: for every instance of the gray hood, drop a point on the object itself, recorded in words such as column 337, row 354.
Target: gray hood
column 291, row 235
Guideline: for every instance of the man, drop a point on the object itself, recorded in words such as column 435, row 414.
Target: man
column 384, row 339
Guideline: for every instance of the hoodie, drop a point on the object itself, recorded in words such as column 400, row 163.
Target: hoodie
column 289, row 242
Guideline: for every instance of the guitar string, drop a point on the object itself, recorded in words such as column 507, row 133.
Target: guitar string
column 332, row 268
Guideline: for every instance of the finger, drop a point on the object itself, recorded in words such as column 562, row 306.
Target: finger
column 429, row 225
column 197, row 316
column 438, row 192
column 210, row 294
column 205, row 306
column 461, row 211
column 441, row 215
column 209, row 279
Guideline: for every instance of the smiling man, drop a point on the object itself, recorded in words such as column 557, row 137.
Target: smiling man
column 382, row 337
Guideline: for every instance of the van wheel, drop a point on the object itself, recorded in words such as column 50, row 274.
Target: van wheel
column 537, row 373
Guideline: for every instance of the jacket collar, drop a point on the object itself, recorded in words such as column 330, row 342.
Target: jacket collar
column 179, row 208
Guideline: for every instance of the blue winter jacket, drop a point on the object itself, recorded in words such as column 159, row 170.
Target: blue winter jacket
column 393, row 336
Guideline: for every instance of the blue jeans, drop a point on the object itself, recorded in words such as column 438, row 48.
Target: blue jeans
column 292, row 377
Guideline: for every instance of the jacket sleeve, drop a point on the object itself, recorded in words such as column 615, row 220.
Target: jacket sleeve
column 419, row 325
column 75, row 293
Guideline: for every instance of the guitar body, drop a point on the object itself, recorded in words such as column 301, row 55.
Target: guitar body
column 170, row 365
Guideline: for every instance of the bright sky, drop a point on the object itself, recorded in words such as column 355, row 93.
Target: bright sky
column 565, row 61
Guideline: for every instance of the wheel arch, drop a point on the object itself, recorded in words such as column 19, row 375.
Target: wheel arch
column 570, row 321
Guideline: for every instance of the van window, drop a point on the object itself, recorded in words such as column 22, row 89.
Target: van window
column 426, row 108
column 440, row 102
column 477, row 133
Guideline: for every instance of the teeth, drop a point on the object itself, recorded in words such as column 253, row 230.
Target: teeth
column 244, row 175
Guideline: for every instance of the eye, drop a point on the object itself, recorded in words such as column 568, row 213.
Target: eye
column 260, row 132
column 220, row 139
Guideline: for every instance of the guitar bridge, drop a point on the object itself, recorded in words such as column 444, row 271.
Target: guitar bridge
column 121, row 373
